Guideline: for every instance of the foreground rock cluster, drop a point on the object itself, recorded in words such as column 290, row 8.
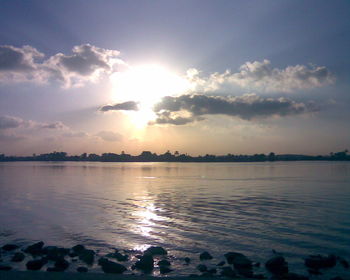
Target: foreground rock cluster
column 236, row 265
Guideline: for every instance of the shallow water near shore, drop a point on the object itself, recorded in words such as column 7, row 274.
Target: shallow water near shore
column 295, row 208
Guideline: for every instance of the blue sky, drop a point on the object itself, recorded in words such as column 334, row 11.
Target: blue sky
column 287, row 89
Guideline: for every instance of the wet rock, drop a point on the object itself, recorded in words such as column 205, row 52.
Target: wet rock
column 9, row 247
column 239, row 260
column 111, row 267
column 212, row 271
column 164, row 269
column 18, row 257
column 294, row 276
column 35, row 249
column 87, row 256
column 206, row 274
column 146, row 263
column 337, row 278
column 118, row 256
column 54, row 253
column 256, row 264
column 82, row 269
column 5, row 267
column 192, row 275
column 344, row 263
column 156, row 250
column 313, row 271
column 318, row 261
column 187, row 260
column 221, row 263
column 202, row 267
column 277, row 265
column 36, row 264
column 164, row 263
column 258, row 276
column 205, row 256
column 77, row 249
column 61, row 264
column 227, row 271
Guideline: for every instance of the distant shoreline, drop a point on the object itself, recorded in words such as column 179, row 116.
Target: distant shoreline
column 147, row 156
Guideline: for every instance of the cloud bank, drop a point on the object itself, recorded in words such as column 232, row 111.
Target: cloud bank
column 189, row 108
column 261, row 76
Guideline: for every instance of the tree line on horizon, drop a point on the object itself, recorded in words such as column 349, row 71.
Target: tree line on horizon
column 147, row 156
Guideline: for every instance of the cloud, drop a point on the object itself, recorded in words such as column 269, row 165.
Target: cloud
column 129, row 105
column 87, row 63
column 261, row 76
column 189, row 108
column 10, row 122
column 75, row 134
column 110, row 136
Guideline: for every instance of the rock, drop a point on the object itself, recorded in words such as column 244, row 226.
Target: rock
column 239, row 260
column 202, row 267
column 294, row 276
column 164, row 263
column 82, row 269
column 87, row 256
column 61, row 264
column 318, row 261
column 5, row 267
column 337, row 278
column 156, row 250
column 9, row 247
column 277, row 265
column 18, row 257
column 53, row 269
column 212, row 271
column 205, row 256
column 313, row 271
column 111, row 267
column 146, row 263
column 36, row 264
column 164, row 269
column 78, row 249
column 35, row 249
column 221, row 263
column 187, row 260
column 118, row 256
column 344, row 263
column 54, row 253
column 258, row 276
column 227, row 271
column 256, row 264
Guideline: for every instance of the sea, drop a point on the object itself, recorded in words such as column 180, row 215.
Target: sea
column 259, row 209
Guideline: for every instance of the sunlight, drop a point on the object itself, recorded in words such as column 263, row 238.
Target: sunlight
column 146, row 84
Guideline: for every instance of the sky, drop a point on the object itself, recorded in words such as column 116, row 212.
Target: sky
column 198, row 77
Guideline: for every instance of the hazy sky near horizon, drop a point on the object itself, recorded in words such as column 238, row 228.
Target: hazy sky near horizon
column 193, row 76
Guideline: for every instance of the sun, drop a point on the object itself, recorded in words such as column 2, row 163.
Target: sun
column 146, row 85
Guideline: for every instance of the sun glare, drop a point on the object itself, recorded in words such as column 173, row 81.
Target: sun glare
column 146, row 84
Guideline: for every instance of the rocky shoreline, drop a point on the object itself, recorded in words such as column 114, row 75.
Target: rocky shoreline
column 38, row 257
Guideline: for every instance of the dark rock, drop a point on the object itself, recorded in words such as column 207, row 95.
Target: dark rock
column 18, row 257
column 111, row 267
column 187, row 260
column 5, row 267
column 206, row 274
column 164, row 263
column 337, row 278
column 192, row 275
column 164, row 269
column 72, row 254
column 205, row 256
column 239, row 260
column 53, row 269
column 118, row 256
column 36, row 264
column 221, row 263
column 82, row 269
column 87, row 256
column 35, row 249
column 9, row 247
column 146, row 263
column 258, row 276
column 344, row 263
column 318, row 261
column 61, row 264
column 202, row 267
column 246, row 272
column 277, row 265
column 212, row 271
column 257, row 264
column 139, row 256
column 78, row 249
column 156, row 250
column 227, row 271
column 54, row 253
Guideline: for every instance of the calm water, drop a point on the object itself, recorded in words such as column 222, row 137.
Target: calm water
column 296, row 208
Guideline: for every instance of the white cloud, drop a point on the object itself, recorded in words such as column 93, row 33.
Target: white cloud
column 109, row 136
column 261, row 76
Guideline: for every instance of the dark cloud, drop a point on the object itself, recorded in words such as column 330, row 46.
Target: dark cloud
column 171, row 110
column 128, row 106
column 10, row 122
column 14, row 59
